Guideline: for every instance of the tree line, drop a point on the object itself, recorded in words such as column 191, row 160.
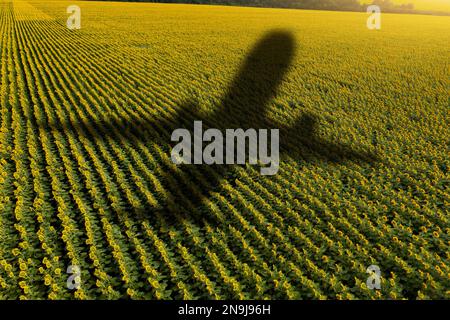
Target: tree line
column 344, row 5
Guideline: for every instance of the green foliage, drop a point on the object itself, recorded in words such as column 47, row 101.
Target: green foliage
column 75, row 192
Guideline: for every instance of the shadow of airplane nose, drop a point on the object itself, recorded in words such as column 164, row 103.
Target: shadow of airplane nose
column 249, row 95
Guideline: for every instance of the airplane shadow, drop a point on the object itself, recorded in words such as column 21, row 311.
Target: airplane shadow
column 245, row 105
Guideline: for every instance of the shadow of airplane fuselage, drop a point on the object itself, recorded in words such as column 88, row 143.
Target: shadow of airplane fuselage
column 245, row 105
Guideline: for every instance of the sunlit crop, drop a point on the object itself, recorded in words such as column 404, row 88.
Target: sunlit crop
column 75, row 191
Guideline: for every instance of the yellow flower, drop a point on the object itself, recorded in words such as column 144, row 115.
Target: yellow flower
column 131, row 292
column 52, row 296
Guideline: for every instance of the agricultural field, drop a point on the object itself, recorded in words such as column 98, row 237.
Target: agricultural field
column 87, row 185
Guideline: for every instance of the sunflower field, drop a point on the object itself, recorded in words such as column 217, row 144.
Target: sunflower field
column 92, row 207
